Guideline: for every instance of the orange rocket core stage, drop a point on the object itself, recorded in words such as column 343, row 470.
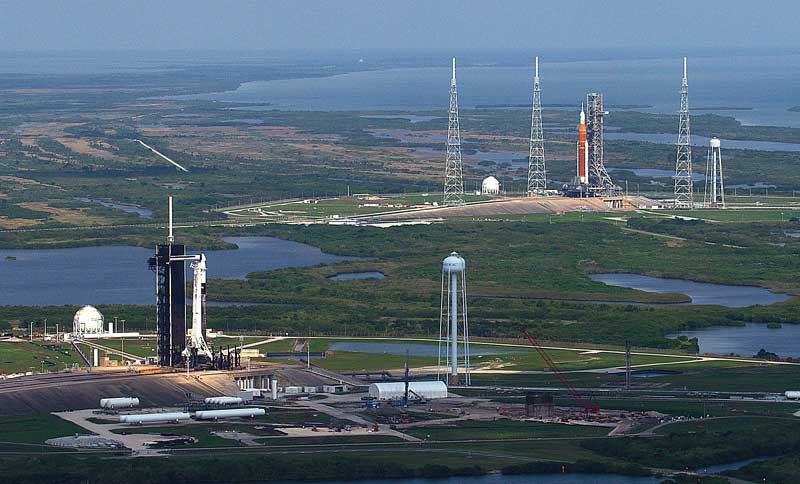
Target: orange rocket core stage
column 583, row 155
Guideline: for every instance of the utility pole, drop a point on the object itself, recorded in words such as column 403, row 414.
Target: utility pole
column 684, row 192
column 537, row 172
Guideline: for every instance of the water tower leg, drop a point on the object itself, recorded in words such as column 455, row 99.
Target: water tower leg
column 454, row 326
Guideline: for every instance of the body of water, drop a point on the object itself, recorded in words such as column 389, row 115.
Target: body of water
column 412, row 118
column 414, row 349
column 140, row 211
column 351, row 276
column 655, row 173
column 702, row 141
column 746, row 340
column 731, row 466
column 713, row 81
column 700, row 292
column 119, row 274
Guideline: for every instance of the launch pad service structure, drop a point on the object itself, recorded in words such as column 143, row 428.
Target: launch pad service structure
column 174, row 348
column 592, row 178
column 170, row 273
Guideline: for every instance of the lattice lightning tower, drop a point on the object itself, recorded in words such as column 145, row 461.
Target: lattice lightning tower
column 684, row 190
column 537, row 173
column 453, row 177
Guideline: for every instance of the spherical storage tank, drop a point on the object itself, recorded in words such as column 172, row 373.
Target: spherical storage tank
column 490, row 186
column 88, row 320
column 454, row 263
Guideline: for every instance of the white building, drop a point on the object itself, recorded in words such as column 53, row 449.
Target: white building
column 428, row 390
column 88, row 320
column 490, row 186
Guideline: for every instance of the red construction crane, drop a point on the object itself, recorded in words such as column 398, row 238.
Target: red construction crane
column 587, row 405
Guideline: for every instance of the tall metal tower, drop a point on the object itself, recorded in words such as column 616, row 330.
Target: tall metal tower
column 684, row 190
column 452, row 314
column 537, row 173
column 599, row 179
column 453, row 177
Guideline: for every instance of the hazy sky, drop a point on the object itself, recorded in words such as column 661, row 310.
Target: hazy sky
column 415, row 24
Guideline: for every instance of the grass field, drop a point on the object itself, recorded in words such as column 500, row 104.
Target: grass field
column 35, row 356
column 503, row 429
column 35, row 429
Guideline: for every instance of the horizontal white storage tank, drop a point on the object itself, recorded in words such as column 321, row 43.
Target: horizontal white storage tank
column 231, row 413
column 223, row 400
column 154, row 417
column 397, row 390
column 792, row 394
column 120, row 402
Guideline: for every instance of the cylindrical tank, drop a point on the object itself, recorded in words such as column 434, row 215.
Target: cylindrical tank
column 273, row 387
column 714, row 142
column 231, row 413
column 223, row 400
column 453, row 263
column 120, row 402
column 792, row 394
column 154, row 417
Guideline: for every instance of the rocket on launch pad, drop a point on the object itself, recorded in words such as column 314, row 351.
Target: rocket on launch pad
column 583, row 152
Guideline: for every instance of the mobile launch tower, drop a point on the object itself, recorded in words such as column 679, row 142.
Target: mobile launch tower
column 169, row 268
column 591, row 177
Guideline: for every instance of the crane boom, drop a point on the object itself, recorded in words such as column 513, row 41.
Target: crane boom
column 588, row 406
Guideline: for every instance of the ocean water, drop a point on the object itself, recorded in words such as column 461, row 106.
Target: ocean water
column 767, row 84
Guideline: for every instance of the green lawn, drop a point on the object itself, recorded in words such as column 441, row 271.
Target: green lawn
column 330, row 438
column 26, row 356
column 35, row 429
column 503, row 429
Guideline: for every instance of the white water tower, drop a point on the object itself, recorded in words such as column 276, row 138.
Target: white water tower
column 452, row 315
column 715, row 184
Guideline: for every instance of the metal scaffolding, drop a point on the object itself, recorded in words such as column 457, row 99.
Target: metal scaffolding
column 537, row 173
column 453, row 177
column 599, row 179
column 684, row 190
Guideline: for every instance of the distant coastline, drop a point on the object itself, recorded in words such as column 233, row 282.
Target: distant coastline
column 723, row 108
column 562, row 105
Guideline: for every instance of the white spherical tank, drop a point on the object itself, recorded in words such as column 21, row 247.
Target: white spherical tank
column 490, row 186
column 714, row 142
column 454, row 263
column 88, row 320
